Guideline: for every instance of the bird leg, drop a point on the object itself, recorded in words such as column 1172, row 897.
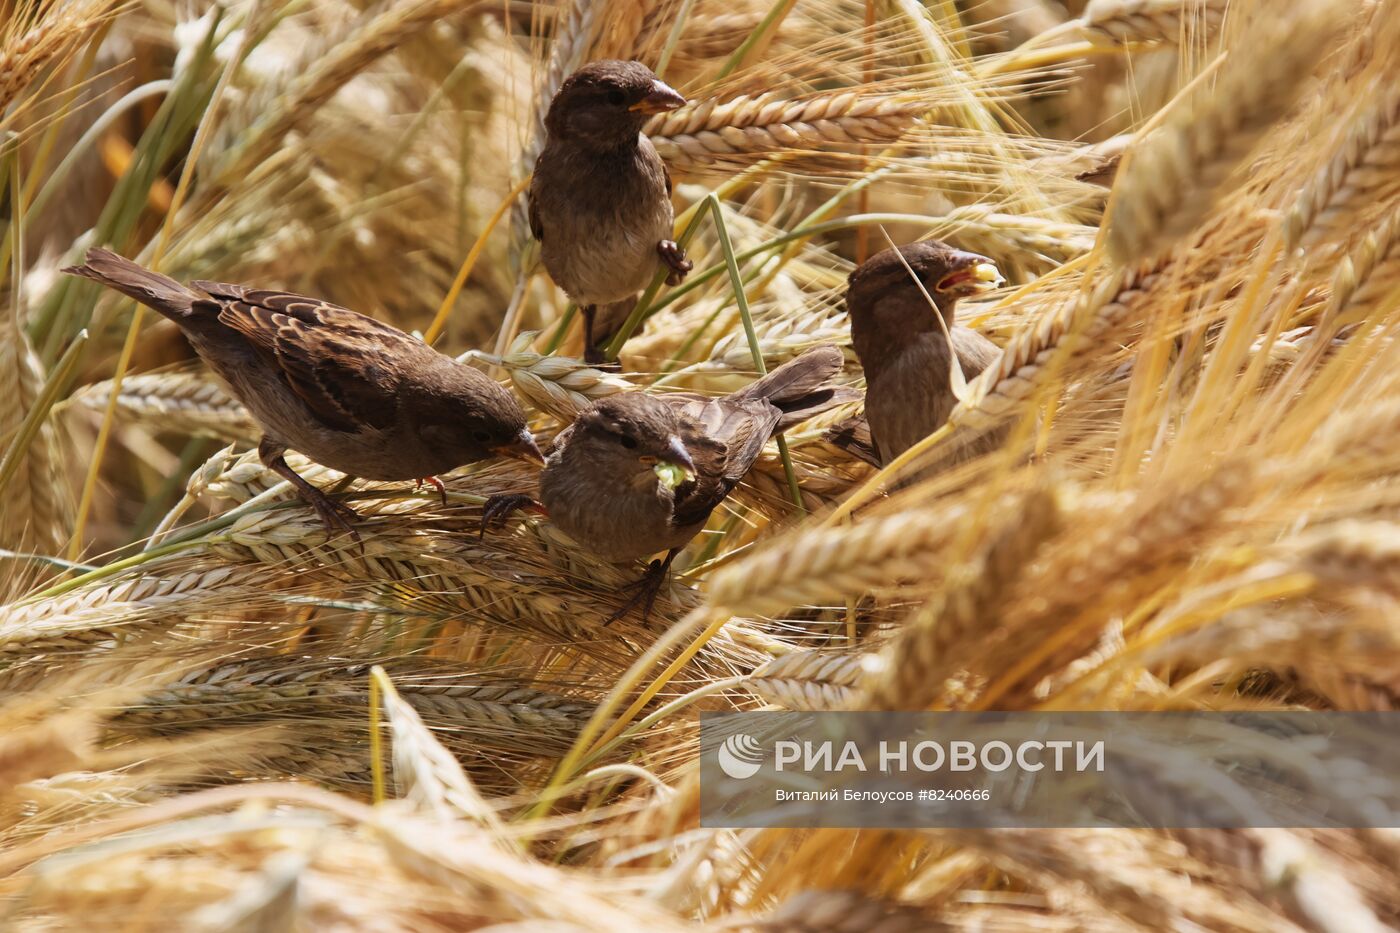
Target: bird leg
column 673, row 254
column 646, row 588
column 435, row 483
column 592, row 355
column 335, row 515
column 499, row 507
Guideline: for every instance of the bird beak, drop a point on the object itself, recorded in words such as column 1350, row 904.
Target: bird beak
column 522, row 448
column 681, row 456
column 662, row 98
column 679, row 469
column 971, row 274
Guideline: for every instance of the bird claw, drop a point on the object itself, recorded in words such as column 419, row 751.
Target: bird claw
column 673, row 255
column 336, row 516
column 647, row 587
column 499, row 507
column 435, row 483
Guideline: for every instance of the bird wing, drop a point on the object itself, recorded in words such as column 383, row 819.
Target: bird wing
column 726, row 439
column 342, row 364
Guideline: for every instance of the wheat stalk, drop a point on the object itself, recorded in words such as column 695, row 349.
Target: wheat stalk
column 557, row 385
column 428, row 776
column 190, row 403
column 826, row 565
column 1018, row 233
column 810, row 680
column 1172, row 21
column 902, row 677
column 109, row 611
column 1176, row 172
column 712, row 132
column 57, row 32
column 1076, row 329
column 1364, row 167
column 1369, row 273
column 35, row 512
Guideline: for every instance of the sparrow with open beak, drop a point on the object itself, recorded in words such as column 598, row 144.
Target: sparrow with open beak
column 906, row 345
column 346, row 390
column 600, row 198
column 637, row 474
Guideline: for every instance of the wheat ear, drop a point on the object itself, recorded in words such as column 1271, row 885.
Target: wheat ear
column 186, row 402
column 810, row 680
column 904, row 676
column 428, row 775
column 713, row 131
column 1175, row 174
column 1366, row 164
column 1123, row 21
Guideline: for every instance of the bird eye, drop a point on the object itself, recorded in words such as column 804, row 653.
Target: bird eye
column 616, row 98
column 629, row 442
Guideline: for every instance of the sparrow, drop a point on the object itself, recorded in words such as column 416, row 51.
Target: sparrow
column 636, row 474
column 901, row 343
column 600, row 197
column 345, row 390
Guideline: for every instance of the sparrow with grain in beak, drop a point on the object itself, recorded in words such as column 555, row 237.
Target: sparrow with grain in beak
column 636, row 474
column 600, row 198
column 901, row 340
column 343, row 389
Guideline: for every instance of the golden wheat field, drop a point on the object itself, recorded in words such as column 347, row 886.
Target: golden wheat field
column 216, row 716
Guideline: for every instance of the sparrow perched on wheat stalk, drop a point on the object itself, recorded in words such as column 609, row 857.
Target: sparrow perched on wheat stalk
column 600, row 198
column 637, row 473
column 347, row 391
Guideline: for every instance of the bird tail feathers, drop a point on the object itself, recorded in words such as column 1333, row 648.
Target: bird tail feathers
column 800, row 388
column 152, row 289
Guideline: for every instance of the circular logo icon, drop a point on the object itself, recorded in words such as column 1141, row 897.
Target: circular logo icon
column 740, row 756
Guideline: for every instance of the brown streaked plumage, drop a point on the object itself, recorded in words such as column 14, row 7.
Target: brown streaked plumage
column 901, row 344
column 600, row 198
column 636, row 474
column 343, row 389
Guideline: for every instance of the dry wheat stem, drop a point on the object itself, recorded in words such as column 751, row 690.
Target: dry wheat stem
column 556, row 385
column 23, row 57
column 1089, row 572
column 1174, row 175
column 1368, row 274
column 35, row 511
column 448, row 693
column 826, row 565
